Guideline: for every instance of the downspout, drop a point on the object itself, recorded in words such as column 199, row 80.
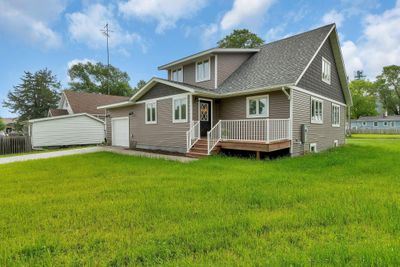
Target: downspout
column 290, row 98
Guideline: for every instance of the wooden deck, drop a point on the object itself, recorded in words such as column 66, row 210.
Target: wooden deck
column 200, row 148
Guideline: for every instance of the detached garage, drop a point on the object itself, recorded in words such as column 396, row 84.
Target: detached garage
column 75, row 129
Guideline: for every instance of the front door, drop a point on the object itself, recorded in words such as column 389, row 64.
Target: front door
column 205, row 117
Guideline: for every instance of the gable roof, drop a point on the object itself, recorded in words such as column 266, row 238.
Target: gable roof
column 81, row 102
column 54, row 112
column 67, row 117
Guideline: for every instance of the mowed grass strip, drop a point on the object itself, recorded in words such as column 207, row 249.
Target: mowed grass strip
column 375, row 136
column 341, row 207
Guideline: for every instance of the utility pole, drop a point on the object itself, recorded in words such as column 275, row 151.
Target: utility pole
column 106, row 31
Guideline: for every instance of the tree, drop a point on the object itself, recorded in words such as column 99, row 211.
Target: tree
column 364, row 99
column 2, row 124
column 388, row 88
column 99, row 78
column 139, row 85
column 34, row 96
column 240, row 39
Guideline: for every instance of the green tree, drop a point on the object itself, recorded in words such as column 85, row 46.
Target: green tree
column 2, row 124
column 34, row 96
column 139, row 85
column 388, row 89
column 242, row 38
column 99, row 78
column 364, row 99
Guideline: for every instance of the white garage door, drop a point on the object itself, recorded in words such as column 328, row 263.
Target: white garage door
column 120, row 132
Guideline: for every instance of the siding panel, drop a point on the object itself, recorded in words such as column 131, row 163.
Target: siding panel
column 227, row 63
column 161, row 90
column 189, row 75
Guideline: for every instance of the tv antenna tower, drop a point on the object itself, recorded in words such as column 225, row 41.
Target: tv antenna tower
column 106, row 32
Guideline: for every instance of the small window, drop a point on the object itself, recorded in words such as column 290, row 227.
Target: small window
column 313, row 148
column 316, row 111
column 385, row 123
column 151, row 112
column 203, row 70
column 364, row 123
column 180, row 109
column 257, row 106
column 335, row 115
column 392, row 123
column 375, row 124
column 177, row 75
column 326, row 71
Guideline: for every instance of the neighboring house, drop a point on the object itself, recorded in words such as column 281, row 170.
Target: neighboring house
column 76, row 121
column 291, row 95
column 10, row 125
column 376, row 122
column 72, row 102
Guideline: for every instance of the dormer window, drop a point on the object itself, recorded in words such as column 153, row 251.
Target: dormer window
column 203, row 70
column 177, row 75
column 326, row 71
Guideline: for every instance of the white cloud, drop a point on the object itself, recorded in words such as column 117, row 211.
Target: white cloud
column 166, row 13
column 333, row 17
column 209, row 35
column 30, row 21
column 76, row 61
column 245, row 12
column 85, row 27
column 378, row 46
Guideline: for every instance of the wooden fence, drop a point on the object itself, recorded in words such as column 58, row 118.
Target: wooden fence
column 375, row 131
column 15, row 144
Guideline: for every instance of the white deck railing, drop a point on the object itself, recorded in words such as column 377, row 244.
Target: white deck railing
column 250, row 130
column 192, row 135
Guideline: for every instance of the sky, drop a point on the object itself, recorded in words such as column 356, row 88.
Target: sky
column 56, row 34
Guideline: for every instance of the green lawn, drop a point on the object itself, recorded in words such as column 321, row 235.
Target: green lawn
column 375, row 136
column 336, row 208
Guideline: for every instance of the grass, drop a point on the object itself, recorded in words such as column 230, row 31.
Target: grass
column 336, row 208
column 44, row 150
column 375, row 136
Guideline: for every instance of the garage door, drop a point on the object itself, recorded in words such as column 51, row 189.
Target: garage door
column 120, row 132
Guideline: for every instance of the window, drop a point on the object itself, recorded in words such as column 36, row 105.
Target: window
column 375, row 124
column 316, row 111
column 335, row 115
column 151, row 112
column 257, row 106
column 177, row 75
column 313, row 148
column 179, row 109
column 392, row 123
column 364, row 123
column 385, row 123
column 326, row 71
column 203, row 70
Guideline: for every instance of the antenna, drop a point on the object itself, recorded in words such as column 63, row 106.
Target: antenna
column 359, row 75
column 106, row 32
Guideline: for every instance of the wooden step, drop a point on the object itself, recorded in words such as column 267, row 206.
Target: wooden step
column 196, row 155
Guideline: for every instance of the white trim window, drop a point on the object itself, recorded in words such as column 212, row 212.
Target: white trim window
column 177, row 75
column 385, row 123
column 257, row 106
column 203, row 70
column 392, row 123
column 151, row 112
column 179, row 109
column 313, row 148
column 326, row 71
column 375, row 124
column 317, row 110
column 364, row 123
column 335, row 115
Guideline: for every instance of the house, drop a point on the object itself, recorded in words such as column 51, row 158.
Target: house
column 10, row 125
column 290, row 95
column 382, row 122
column 76, row 121
column 72, row 102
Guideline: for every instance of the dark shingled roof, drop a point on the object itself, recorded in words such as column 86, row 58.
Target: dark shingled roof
column 88, row 102
column 278, row 63
column 58, row 112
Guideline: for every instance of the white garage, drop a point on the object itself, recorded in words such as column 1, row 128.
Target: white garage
column 67, row 130
column 120, row 131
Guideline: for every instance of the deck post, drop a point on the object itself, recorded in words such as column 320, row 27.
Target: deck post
column 258, row 155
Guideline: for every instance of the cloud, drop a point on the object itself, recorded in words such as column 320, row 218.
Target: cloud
column 378, row 45
column 166, row 13
column 245, row 12
column 85, row 26
column 333, row 17
column 76, row 61
column 31, row 22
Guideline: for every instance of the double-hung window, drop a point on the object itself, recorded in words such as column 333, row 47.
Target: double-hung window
column 177, row 75
column 151, row 112
column 180, row 109
column 375, row 124
column 203, row 70
column 326, row 71
column 257, row 106
column 335, row 115
column 316, row 111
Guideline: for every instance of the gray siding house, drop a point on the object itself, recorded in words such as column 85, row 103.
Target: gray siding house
column 291, row 94
column 377, row 123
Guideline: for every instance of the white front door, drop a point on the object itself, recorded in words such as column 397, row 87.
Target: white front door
column 120, row 131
